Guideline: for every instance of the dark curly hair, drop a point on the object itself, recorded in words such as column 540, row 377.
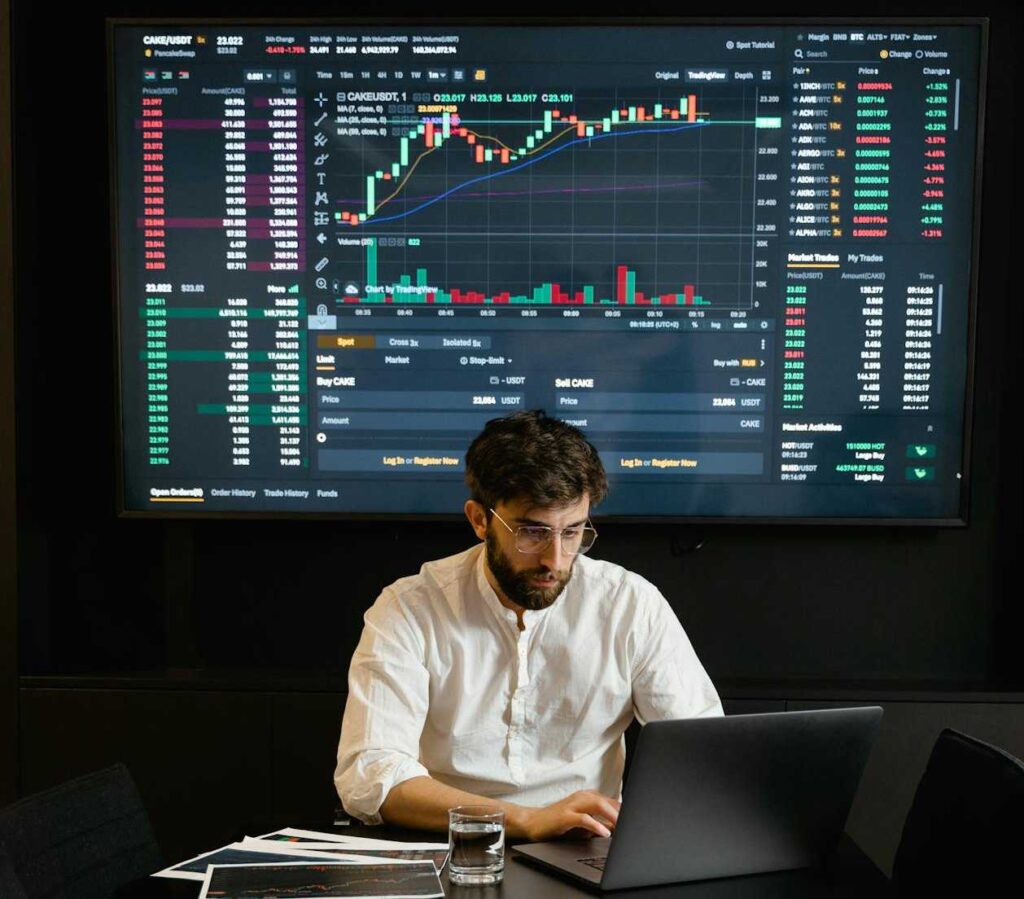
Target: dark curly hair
column 531, row 456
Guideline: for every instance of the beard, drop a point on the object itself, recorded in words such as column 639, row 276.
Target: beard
column 516, row 584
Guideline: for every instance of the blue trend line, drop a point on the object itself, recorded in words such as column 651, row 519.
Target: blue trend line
column 488, row 194
column 580, row 140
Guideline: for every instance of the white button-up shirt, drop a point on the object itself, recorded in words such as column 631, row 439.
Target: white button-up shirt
column 443, row 683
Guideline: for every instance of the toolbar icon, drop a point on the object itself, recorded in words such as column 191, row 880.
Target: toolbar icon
column 322, row 321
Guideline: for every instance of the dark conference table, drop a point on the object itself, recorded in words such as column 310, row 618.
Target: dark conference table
column 852, row 875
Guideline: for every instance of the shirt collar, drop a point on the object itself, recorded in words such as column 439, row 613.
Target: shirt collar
column 531, row 618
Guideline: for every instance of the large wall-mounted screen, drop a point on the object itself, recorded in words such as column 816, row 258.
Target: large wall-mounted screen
column 740, row 258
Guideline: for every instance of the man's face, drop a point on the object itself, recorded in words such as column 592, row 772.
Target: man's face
column 532, row 580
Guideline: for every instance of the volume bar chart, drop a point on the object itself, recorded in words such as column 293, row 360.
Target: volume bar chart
column 419, row 290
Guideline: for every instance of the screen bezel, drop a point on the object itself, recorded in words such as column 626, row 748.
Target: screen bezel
column 981, row 23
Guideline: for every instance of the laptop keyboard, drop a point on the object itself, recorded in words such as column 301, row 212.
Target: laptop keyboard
column 597, row 863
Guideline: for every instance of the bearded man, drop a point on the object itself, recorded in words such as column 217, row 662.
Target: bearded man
column 506, row 675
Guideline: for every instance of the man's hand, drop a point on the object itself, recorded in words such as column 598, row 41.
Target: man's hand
column 582, row 814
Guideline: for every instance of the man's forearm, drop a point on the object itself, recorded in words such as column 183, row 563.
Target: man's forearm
column 423, row 802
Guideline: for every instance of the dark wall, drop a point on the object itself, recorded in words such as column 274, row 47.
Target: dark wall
column 8, row 543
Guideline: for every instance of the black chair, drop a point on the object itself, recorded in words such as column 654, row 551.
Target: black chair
column 80, row 840
column 964, row 833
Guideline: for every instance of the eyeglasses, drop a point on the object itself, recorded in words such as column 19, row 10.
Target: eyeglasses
column 535, row 538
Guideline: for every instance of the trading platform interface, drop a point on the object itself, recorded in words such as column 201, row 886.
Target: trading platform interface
column 738, row 258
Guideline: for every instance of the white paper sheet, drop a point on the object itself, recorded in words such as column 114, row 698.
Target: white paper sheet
column 354, row 842
column 429, row 887
column 284, row 849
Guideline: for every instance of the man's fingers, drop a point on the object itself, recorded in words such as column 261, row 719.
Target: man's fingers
column 601, row 805
column 584, row 813
column 611, row 810
column 615, row 802
column 588, row 822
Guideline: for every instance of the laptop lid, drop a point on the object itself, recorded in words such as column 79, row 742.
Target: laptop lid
column 722, row 797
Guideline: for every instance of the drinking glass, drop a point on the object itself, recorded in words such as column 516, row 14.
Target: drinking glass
column 476, row 844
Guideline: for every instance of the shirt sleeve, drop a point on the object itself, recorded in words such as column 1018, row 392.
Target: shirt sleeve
column 388, row 692
column 669, row 682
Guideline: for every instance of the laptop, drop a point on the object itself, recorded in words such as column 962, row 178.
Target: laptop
column 723, row 797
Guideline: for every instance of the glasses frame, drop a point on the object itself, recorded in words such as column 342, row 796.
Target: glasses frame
column 551, row 536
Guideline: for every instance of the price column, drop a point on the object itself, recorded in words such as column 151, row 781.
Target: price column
column 153, row 211
column 158, row 420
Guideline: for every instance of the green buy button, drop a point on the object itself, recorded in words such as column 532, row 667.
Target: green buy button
column 921, row 451
column 915, row 473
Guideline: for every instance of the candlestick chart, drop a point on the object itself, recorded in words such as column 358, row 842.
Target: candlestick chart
column 526, row 199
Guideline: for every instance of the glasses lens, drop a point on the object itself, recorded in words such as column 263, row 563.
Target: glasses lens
column 578, row 540
column 536, row 539
column 533, row 539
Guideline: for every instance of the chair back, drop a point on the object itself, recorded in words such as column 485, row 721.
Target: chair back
column 82, row 839
column 965, row 829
